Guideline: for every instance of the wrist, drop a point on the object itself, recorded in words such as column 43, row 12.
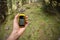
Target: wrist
column 13, row 36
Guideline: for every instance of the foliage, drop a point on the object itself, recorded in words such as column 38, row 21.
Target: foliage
column 42, row 25
column 52, row 5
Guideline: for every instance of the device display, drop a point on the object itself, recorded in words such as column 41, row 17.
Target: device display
column 21, row 20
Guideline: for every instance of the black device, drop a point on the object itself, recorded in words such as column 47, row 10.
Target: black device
column 21, row 20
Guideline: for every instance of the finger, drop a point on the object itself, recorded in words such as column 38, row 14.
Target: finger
column 15, row 23
column 26, row 19
column 16, row 17
column 26, row 16
column 26, row 24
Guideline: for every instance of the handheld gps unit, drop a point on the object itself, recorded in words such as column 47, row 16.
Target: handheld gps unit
column 21, row 19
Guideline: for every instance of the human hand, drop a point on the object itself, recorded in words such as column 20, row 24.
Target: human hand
column 17, row 30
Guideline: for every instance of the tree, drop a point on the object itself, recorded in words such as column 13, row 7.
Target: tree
column 52, row 5
column 3, row 9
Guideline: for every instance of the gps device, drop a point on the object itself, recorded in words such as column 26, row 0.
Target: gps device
column 21, row 20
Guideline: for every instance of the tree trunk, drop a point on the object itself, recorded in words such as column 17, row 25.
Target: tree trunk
column 30, row 1
column 3, row 9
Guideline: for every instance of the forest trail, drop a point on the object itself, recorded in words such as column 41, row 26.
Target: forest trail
column 42, row 26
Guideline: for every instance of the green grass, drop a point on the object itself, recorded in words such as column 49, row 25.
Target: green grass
column 41, row 26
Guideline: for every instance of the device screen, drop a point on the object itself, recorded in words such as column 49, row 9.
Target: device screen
column 22, row 21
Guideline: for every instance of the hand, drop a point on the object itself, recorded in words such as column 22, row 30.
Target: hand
column 17, row 30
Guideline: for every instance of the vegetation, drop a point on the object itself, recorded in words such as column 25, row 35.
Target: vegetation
column 43, row 24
